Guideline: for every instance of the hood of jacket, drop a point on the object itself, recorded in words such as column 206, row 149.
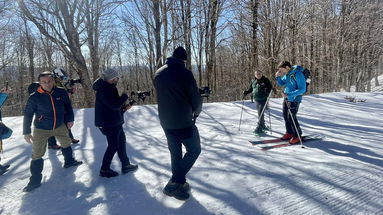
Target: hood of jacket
column 100, row 83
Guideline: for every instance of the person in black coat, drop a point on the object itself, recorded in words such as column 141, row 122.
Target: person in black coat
column 179, row 104
column 109, row 118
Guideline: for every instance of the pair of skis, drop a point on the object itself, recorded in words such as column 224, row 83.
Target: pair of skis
column 284, row 143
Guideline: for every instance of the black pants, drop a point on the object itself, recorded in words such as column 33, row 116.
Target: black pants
column 290, row 120
column 261, row 118
column 189, row 137
column 116, row 143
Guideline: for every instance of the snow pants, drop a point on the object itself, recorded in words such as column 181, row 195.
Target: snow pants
column 290, row 120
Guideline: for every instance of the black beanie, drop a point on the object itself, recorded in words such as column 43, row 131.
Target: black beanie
column 180, row 53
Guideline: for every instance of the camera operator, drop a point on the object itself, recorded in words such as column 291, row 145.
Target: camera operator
column 109, row 118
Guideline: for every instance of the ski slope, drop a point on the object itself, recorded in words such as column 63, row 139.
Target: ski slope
column 340, row 175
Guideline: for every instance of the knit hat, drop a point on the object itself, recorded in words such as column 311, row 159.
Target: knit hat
column 109, row 74
column 180, row 53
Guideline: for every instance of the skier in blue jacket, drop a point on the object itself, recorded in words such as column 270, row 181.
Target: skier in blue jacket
column 294, row 83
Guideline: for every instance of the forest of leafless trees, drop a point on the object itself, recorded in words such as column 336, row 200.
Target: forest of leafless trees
column 340, row 41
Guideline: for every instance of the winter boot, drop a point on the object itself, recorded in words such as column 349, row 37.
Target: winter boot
column 74, row 141
column 259, row 131
column 287, row 136
column 68, row 158
column 265, row 128
column 128, row 168
column 35, row 179
column 52, row 143
column 294, row 140
column 185, row 186
column 108, row 173
column 54, row 147
column 176, row 190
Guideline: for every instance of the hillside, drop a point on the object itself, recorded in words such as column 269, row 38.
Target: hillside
column 339, row 175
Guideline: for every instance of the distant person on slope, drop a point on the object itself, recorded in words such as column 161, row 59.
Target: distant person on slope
column 50, row 106
column 109, row 118
column 260, row 88
column 179, row 104
column 294, row 84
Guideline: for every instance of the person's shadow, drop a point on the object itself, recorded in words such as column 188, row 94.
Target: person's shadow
column 60, row 193
column 354, row 152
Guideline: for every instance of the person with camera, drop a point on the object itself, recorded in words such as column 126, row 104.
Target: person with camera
column 62, row 81
column 260, row 88
column 109, row 118
column 179, row 104
column 49, row 106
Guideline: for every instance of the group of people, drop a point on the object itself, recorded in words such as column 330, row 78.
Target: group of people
column 179, row 105
column 294, row 83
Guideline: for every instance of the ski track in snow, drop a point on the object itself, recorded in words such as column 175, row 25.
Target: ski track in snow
column 340, row 175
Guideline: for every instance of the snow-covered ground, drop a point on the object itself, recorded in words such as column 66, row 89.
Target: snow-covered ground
column 340, row 175
column 374, row 87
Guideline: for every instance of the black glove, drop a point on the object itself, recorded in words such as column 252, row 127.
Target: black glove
column 245, row 92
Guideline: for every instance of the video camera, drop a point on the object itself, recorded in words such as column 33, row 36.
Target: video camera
column 61, row 78
column 140, row 95
column 205, row 91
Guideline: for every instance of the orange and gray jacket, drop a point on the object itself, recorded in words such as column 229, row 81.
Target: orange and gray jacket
column 51, row 110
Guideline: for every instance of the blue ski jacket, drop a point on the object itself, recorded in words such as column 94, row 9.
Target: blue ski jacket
column 294, row 83
column 3, row 97
column 51, row 110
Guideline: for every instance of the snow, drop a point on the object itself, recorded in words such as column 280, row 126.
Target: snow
column 340, row 175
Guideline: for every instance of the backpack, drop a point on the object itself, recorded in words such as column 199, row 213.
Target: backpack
column 307, row 74
column 5, row 132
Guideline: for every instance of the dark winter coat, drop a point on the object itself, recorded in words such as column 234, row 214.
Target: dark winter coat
column 260, row 88
column 178, row 96
column 109, row 105
column 294, row 83
column 51, row 109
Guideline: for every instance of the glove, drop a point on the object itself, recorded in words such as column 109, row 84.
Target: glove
column 245, row 92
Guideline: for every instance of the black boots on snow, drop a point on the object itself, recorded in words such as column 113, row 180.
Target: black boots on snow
column 68, row 158
column 108, row 173
column 128, row 168
column 35, row 179
column 176, row 190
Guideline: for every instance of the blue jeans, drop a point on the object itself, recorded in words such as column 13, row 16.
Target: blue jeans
column 189, row 137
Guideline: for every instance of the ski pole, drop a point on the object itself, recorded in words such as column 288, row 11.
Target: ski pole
column 264, row 107
column 240, row 119
column 295, row 126
column 271, row 131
